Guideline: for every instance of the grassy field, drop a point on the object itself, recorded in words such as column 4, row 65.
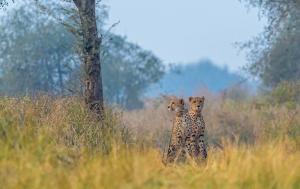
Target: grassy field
column 55, row 143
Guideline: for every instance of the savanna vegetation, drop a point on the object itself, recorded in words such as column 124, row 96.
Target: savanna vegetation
column 51, row 138
column 56, row 143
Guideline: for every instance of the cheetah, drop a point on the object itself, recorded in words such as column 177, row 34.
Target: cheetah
column 196, row 137
column 176, row 150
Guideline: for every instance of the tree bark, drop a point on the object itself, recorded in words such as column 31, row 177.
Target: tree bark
column 93, row 92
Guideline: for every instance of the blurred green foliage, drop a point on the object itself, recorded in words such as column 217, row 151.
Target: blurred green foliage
column 274, row 55
column 38, row 54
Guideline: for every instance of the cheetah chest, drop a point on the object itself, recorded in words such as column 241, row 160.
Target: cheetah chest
column 198, row 125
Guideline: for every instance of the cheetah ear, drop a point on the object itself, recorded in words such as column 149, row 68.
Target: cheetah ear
column 190, row 99
column 181, row 101
column 203, row 98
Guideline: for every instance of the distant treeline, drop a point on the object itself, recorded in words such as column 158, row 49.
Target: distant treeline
column 190, row 78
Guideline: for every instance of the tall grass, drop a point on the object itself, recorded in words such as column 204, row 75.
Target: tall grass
column 226, row 120
column 55, row 143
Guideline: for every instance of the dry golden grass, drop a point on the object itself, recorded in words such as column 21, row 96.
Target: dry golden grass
column 54, row 143
column 237, row 122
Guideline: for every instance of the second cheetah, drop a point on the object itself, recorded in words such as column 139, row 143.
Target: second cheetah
column 196, row 136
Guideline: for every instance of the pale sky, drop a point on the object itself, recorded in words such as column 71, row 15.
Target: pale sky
column 180, row 31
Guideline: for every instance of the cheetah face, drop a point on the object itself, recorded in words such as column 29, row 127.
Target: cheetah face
column 176, row 105
column 196, row 103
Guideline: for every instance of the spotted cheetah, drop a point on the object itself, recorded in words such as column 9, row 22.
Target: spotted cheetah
column 198, row 127
column 176, row 150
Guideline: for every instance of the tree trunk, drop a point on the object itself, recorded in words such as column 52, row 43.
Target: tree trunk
column 91, row 55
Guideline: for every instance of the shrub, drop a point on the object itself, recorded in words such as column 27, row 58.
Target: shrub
column 286, row 93
column 64, row 122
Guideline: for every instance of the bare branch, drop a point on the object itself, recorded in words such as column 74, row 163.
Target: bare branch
column 113, row 25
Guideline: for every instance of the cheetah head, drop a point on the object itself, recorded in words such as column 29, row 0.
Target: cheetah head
column 196, row 103
column 176, row 105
